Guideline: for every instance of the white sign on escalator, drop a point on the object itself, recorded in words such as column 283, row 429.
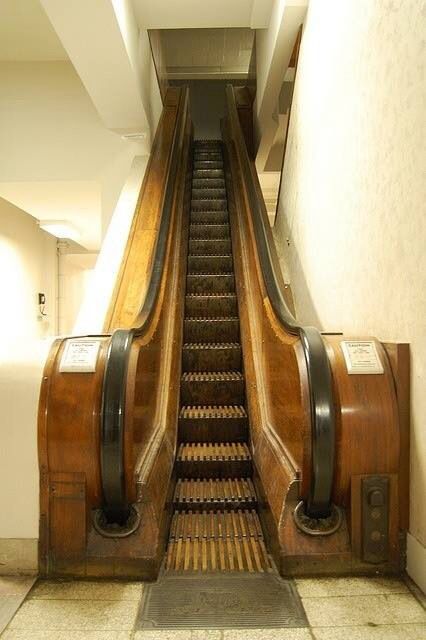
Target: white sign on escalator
column 80, row 355
column 361, row 356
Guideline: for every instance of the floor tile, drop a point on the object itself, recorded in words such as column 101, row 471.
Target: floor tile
column 12, row 593
column 319, row 587
column 86, row 590
column 71, row 615
column 199, row 634
column 363, row 610
column 381, row 632
column 31, row 634
column 267, row 634
column 15, row 586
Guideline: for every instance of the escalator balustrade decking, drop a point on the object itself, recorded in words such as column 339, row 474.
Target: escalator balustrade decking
column 215, row 526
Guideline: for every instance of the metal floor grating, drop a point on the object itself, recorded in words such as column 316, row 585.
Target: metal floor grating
column 228, row 601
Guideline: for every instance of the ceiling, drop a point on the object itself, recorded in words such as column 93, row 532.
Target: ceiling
column 26, row 33
column 207, row 53
column 193, row 14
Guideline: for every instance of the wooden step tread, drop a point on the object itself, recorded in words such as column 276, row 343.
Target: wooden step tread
column 217, row 256
column 211, row 541
column 209, row 204
column 211, row 304
column 216, row 264
column 216, row 491
column 207, row 173
column 208, row 193
column 200, row 296
column 209, row 246
column 209, row 183
column 209, row 451
column 194, row 346
column 213, row 412
column 227, row 274
column 212, row 376
column 208, row 319
column 206, row 230
column 197, row 225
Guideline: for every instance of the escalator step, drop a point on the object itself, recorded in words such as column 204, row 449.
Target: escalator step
column 213, row 305
column 206, row 541
column 213, row 154
column 211, row 330
column 208, row 164
column 209, row 204
column 208, row 173
column 207, row 142
column 213, row 412
column 213, row 424
column 209, row 230
column 217, row 493
column 210, row 264
column 211, row 356
column 212, row 217
column 213, row 459
column 210, row 283
column 210, row 387
column 208, row 193
column 209, row 247
column 208, row 183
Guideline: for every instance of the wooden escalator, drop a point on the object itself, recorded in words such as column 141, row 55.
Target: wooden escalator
column 215, row 526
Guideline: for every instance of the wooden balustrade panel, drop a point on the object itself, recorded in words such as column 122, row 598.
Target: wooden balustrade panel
column 371, row 410
column 152, row 395
column 133, row 278
column 368, row 437
column 70, row 403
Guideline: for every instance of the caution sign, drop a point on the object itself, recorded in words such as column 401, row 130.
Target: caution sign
column 361, row 356
column 80, row 355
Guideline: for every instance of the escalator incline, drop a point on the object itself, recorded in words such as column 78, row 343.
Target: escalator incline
column 215, row 524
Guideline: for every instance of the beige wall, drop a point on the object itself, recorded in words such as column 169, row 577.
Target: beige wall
column 353, row 193
column 28, row 264
column 58, row 160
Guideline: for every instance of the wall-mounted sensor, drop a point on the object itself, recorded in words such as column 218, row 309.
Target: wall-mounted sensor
column 42, row 303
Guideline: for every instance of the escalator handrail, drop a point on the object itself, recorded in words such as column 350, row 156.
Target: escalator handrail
column 112, row 417
column 318, row 502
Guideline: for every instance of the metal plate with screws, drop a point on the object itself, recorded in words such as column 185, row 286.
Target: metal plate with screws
column 221, row 601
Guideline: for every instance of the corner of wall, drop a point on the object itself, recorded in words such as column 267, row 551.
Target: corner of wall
column 416, row 561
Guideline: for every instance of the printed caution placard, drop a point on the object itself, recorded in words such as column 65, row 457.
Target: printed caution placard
column 80, row 355
column 361, row 356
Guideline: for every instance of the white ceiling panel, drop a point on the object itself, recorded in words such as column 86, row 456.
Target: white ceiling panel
column 193, row 14
column 26, row 33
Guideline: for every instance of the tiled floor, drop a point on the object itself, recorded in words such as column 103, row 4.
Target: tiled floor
column 337, row 609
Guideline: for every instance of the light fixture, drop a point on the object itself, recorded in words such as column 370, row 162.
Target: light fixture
column 135, row 137
column 61, row 229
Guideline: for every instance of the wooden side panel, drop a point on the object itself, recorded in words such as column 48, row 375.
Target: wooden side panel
column 367, row 439
column 399, row 360
column 371, row 410
column 133, row 278
column 67, row 521
column 244, row 100
column 70, row 403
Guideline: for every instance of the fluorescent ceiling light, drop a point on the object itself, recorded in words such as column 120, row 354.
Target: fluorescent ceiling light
column 60, row 228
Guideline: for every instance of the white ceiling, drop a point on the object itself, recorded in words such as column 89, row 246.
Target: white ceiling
column 193, row 14
column 26, row 33
column 207, row 53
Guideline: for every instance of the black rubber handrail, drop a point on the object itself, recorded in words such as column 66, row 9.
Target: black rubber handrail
column 115, row 505
column 318, row 503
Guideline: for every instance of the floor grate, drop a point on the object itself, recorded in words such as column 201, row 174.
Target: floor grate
column 221, row 602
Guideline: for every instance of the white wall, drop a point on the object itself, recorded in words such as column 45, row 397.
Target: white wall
column 58, row 160
column 353, row 193
column 28, row 264
column 274, row 47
